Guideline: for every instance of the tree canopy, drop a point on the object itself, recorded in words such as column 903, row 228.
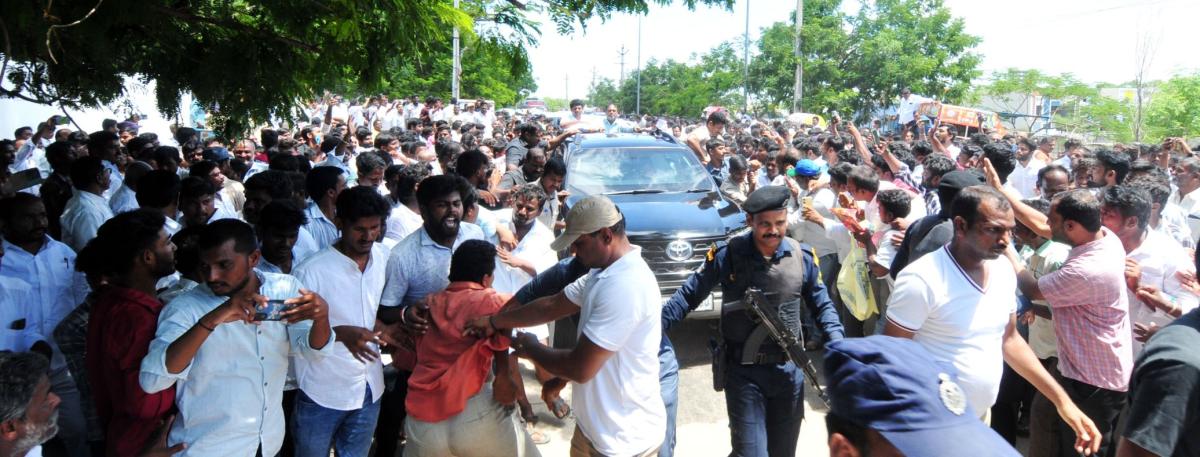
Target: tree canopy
column 252, row 59
column 1175, row 108
column 854, row 63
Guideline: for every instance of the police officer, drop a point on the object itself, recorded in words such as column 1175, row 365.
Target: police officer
column 764, row 392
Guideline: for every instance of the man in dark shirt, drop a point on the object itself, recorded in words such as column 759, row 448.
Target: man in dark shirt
column 57, row 189
column 122, row 325
column 530, row 171
column 1164, row 394
column 529, row 136
column 931, row 232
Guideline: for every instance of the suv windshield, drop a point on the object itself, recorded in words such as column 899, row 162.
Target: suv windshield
column 649, row 170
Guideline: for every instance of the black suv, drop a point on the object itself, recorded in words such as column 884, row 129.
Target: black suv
column 671, row 204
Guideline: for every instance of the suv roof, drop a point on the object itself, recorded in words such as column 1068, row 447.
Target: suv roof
column 623, row 140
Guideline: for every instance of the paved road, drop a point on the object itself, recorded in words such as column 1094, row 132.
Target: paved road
column 703, row 425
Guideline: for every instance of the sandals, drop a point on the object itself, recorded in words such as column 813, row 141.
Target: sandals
column 537, row 437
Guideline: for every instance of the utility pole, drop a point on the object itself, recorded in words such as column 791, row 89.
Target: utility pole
column 638, row 106
column 798, row 89
column 454, row 83
column 566, row 89
column 621, row 53
column 746, row 64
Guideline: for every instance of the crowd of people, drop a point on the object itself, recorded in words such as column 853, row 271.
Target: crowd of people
column 193, row 294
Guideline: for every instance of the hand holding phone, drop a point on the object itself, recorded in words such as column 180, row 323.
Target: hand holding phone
column 272, row 311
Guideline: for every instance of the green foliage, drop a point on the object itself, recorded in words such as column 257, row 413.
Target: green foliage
column 908, row 43
column 1175, row 108
column 679, row 89
column 1098, row 117
column 824, row 45
column 851, row 63
column 253, row 59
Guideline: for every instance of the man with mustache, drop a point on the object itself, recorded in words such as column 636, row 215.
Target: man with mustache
column 418, row 266
column 958, row 302
column 28, row 409
column 764, row 391
column 227, row 361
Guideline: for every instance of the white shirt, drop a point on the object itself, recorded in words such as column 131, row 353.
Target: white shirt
column 15, row 295
column 81, row 219
column 958, row 321
column 340, row 381
column 230, row 398
column 1045, row 260
column 810, row 232
column 115, row 179
column 323, row 230
column 305, row 246
column 534, row 247
column 1190, row 205
column 1160, row 258
column 56, row 287
column 402, row 222
column 1024, row 178
column 620, row 410
column 908, row 107
column 180, row 287
column 123, row 200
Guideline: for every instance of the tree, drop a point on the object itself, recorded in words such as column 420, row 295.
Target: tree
column 1175, row 109
column 859, row 63
column 908, row 43
column 251, row 59
column 1098, row 117
column 604, row 92
column 1013, row 90
column 824, row 45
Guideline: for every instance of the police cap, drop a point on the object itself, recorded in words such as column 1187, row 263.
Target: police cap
column 767, row 199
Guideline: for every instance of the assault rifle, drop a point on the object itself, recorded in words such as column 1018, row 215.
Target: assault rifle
column 792, row 345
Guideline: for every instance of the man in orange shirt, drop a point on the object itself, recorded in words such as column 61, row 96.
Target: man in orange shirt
column 452, row 408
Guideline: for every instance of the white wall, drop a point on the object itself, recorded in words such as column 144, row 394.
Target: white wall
column 139, row 97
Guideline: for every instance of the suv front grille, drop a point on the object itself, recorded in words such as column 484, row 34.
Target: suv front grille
column 671, row 273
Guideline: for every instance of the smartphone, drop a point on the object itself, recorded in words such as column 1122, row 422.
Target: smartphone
column 61, row 120
column 271, row 312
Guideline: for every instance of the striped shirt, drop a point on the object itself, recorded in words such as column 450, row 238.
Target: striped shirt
column 1091, row 314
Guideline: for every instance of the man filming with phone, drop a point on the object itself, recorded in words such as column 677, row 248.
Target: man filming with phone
column 228, row 363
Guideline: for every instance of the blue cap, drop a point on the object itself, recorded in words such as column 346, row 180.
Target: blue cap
column 216, row 154
column 808, row 168
column 895, row 387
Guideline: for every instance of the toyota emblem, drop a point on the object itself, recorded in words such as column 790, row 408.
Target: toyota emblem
column 679, row 250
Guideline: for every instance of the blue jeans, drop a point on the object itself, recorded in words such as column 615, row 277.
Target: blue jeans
column 766, row 407
column 317, row 428
column 668, row 381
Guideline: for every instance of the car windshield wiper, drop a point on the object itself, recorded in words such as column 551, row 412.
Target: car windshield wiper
column 698, row 191
column 636, row 192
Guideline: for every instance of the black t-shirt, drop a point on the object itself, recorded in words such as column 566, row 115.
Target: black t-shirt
column 926, row 235
column 1164, row 407
column 513, row 178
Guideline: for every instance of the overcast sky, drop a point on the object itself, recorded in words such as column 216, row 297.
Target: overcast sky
column 1094, row 39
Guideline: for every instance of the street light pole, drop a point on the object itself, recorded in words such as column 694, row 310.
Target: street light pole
column 798, row 89
column 746, row 64
column 454, row 83
column 638, row 107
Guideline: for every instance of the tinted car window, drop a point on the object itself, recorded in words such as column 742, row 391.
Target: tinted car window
column 602, row 171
